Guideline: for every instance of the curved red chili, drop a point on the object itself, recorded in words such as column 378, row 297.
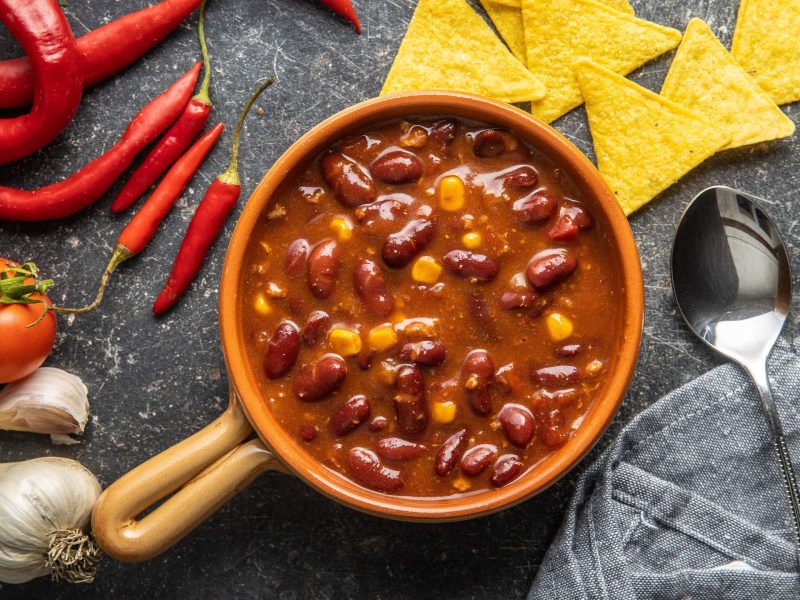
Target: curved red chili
column 208, row 219
column 92, row 181
column 44, row 34
column 142, row 227
column 345, row 9
column 102, row 52
column 176, row 140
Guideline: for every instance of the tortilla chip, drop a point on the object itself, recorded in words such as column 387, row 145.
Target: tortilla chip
column 766, row 42
column 559, row 31
column 507, row 18
column 705, row 78
column 448, row 46
column 644, row 143
column 508, row 22
column 620, row 5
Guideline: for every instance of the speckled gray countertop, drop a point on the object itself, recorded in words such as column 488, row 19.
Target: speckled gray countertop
column 154, row 382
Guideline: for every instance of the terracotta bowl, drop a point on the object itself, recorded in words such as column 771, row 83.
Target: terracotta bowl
column 217, row 462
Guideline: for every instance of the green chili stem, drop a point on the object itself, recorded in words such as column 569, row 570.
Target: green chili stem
column 202, row 95
column 121, row 254
column 231, row 175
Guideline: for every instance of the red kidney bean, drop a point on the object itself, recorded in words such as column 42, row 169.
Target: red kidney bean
column 371, row 287
column 512, row 300
column 427, row 352
column 396, row 167
column 410, row 403
column 296, row 256
column 489, row 143
column 379, row 423
column 571, row 220
column 308, row 433
column 443, row 132
column 323, row 266
column 507, row 379
column 556, row 376
column 482, row 315
column 365, row 359
column 350, row 182
column 386, row 208
column 569, row 350
column 518, row 424
column 550, row 267
column 505, row 470
column 553, row 431
column 282, row 351
column 394, row 448
column 316, row 327
column 471, row 265
column 367, row 469
column 477, row 374
column 400, row 248
column 350, row 415
column 522, row 178
column 316, row 380
column 534, row 208
column 450, row 453
column 476, row 459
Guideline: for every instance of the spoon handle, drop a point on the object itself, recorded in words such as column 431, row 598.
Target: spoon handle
column 789, row 479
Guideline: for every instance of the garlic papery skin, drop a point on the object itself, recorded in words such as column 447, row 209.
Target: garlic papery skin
column 40, row 498
column 48, row 401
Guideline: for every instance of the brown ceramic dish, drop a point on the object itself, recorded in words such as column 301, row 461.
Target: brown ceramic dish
column 213, row 465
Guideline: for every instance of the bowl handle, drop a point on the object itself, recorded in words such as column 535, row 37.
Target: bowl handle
column 206, row 469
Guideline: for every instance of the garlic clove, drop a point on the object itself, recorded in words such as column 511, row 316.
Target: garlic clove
column 49, row 401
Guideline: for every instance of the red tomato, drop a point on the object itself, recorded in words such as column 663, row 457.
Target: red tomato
column 23, row 350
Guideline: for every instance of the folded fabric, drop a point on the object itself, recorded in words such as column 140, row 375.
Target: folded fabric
column 688, row 501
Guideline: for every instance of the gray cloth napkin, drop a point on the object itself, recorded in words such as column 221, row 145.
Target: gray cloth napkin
column 688, row 501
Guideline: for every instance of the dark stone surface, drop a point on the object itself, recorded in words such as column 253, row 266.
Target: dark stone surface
column 154, row 382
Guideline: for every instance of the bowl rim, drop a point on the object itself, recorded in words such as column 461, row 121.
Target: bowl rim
column 583, row 174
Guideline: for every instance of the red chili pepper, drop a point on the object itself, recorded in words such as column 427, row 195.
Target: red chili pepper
column 176, row 140
column 345, row 9
column 44, row 34
column 102, row 52
column 208, row 219
column 92, row 181
column 142, row 227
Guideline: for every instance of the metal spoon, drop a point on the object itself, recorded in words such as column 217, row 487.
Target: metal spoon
column 731, row 279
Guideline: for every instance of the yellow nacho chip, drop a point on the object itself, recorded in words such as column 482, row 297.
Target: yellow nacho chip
column 705, row 78
column 448, row 46
column 766, row 42
column 644, row 143
column 508, row 22
column 559, row 31
column 507, row 18
column 620, row 5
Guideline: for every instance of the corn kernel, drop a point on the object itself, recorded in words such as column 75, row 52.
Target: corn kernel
column 443, row 412
column 471, row 240
column 261, row 305
column 342, row 228
column 426, row 270
column 558, row 326
column 451, row 193
column 381, row 338
column 461, row 484
column 345, row 342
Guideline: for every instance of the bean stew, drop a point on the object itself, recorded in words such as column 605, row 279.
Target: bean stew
column 431, row 307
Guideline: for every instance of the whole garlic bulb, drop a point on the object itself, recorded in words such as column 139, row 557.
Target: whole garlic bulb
column 45, row 504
